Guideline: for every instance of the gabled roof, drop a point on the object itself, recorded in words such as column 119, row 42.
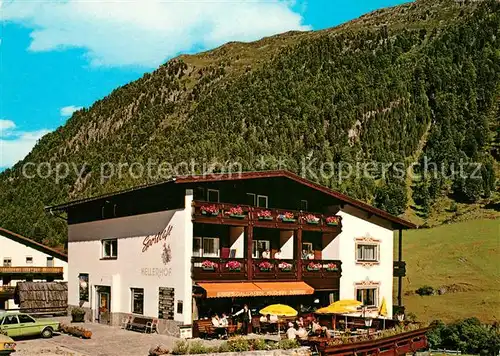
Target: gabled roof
column 214, row 177
column 33, row 244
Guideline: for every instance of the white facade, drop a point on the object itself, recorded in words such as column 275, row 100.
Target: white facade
column 142, row 260
column 15, row 253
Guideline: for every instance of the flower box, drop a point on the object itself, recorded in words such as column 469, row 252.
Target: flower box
column 265, row 215
column 314, row 266
column 311, row 219
column 332, row 221
column 208, row 265
column 233, row 266
column 285, row 267
column 209, row 210
column 331, row 267
column 287, row 217
column 236, row 212
column 265, row 266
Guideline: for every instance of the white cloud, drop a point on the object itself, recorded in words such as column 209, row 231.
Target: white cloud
column 145, row 33
column 69, row 110
column 16, row 144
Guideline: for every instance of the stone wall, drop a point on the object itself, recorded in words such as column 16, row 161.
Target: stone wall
column 302, row 351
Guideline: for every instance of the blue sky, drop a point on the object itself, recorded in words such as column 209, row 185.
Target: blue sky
column 57, row 56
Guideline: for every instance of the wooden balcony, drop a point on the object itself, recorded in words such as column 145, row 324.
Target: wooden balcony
column 320, row 274
column 244, row 215
column 399, row 269
column 13, row 271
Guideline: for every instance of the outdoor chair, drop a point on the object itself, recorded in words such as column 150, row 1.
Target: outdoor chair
column 256, row 326
column 126, row 322
column 152, row 326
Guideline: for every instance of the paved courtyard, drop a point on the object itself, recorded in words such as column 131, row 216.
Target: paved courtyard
column 105, row 341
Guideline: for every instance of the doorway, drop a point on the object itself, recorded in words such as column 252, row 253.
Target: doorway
column 103, row 306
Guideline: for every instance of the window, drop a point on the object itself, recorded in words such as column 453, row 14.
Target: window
column 303, row 205
column 137, row 300
column 180, row 306
column 259, row 246
column 50, row 261
column 262, row 201
column 210, row 247
column 110, row 248
column 367, row 296
column 251, row 199
column 367, row 252
column 7, row 262
column 29, row 260
column 213, row 195
column 197, row 250
column 307, row 247
column 23, row 318
column 10, row 320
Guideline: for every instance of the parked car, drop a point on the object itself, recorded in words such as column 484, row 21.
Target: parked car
column 7, row 345
column 21, row 324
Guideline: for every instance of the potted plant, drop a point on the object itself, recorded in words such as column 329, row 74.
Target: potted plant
column 210, row 210
column 208, row 265
column 287, row 217
column 265, row 215
column 285, row 266
column 77, row 315
column 332, row 267
column 311, row 219
column 333, row 220
column 234, row 266
column 313, row 266
column 265, row 266
column 236, row 212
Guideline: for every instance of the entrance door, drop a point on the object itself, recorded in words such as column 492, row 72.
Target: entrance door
column 103, row 304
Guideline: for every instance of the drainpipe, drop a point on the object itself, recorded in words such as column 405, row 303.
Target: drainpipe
column 400, row 257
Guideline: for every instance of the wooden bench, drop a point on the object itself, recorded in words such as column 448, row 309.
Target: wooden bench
column 143, row 323
column 206, row 328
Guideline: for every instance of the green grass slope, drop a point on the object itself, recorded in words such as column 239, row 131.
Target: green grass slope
column 463, row 259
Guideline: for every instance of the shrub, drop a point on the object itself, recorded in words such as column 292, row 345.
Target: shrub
column 76, row 331
column 180, row 348
column 287, row 344
column 77, row 311
column 239, row 345
column 259, row 344
column 425, row 290
column 224, row 347
column 196, row 347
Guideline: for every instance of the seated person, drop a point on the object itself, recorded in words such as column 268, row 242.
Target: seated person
column 302, row 333
column 263, row 319
column 266, row 254
column 215, row 321
column 316, row 328
column 224, row 321
column 300, row 322
column 273, row 319
column 310, row 255
column 304, row 254
column 291, row 332
column 277, row 255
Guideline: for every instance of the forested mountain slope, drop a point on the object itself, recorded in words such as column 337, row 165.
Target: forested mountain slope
column 397, row 85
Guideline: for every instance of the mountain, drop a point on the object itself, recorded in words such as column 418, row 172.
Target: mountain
column 418, row 83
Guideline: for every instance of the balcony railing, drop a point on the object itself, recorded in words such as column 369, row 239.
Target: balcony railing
column 274, row 269
column 31, row 270
column 319, row 272
column 233, row 214
column 204, row 268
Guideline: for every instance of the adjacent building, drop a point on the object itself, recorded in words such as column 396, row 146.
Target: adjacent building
column 183, row 249
column 27, row 260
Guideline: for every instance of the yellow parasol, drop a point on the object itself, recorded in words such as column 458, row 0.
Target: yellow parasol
column 338, row 308
column 278, row 310
column 348, row 303
column 383, row 309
